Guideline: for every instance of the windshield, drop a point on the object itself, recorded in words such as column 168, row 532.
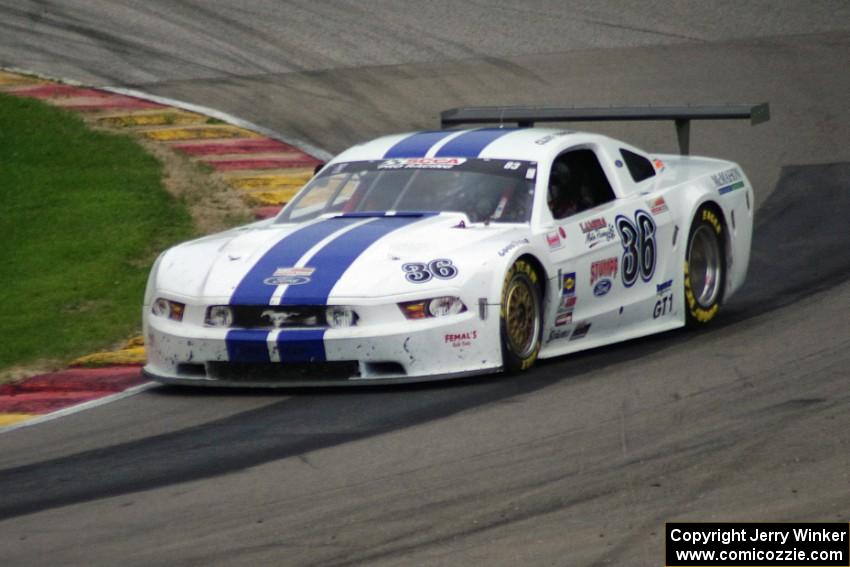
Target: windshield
column 484, row 189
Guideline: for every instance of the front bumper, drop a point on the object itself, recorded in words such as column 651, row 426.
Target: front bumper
column 408, row 351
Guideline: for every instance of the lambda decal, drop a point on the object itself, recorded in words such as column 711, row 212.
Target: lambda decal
column 639, row 249
column 421, row 163
column 290, row 276
column 597, row 231
column 418, row 272
column 606, row 268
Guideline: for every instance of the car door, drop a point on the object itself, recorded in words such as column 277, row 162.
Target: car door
column 609, row 252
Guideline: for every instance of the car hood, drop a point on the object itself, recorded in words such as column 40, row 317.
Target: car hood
column 335, row 259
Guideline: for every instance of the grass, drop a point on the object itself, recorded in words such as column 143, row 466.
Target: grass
column 83, row 215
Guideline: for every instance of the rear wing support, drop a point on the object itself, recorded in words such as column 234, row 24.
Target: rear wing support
column 526, row 116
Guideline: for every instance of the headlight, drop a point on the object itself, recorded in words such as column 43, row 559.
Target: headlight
column 166, row 308
column 219, row 316
column 435, row 307
column 338, row 317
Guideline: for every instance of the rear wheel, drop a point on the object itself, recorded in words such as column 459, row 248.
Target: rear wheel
column 521, row 319
column 705, row 268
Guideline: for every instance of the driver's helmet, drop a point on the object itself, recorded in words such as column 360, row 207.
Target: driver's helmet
column 560, row 186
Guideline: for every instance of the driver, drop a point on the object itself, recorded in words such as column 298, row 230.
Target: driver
column 563, row 191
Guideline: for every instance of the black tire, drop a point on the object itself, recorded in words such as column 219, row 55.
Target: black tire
column 521, row 318
column 705, row 267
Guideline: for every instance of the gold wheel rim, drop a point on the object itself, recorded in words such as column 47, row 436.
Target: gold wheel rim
column 521, row 318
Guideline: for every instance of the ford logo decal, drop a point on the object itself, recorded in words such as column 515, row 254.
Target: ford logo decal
column 601, row 288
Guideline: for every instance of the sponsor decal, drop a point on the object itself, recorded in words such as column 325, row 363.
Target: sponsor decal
column 602, row 287
column 597, row 231
column 568, row 284
column 548, row 138
column 659, row 165
column 564, row 318
column 663, row 288
column 618, row 163
column 458, row 340
column 290, row 276
column 727, row 177
column 421, row 163
column 730, row 188
column 530, row 173
column 567, row 302
column 513, row 244
column 555, row 334
column 593, row 224
column 580, row 331
column 421, row 272
column 553, row 239
column 606, row 268
column 562, row 232
column 657, row 205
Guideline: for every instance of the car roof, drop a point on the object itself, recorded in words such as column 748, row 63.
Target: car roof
column 530, row 144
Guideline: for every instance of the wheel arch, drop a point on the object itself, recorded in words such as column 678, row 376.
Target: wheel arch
column 725, row 235
column 539, row 268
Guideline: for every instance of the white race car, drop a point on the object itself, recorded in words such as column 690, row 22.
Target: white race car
column 436, row 254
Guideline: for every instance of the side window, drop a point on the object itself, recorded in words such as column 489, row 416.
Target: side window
column 639, row 166
column 577, row 183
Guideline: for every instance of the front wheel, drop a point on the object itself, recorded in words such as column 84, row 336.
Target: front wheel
column 521, row 319
column 705, row 268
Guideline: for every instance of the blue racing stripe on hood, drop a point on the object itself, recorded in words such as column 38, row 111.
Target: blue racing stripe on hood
column 472, row 143
column 335, row 258
column 252, row 291
column 417, row 145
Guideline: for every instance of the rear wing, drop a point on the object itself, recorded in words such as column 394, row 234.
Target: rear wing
column 526, row 116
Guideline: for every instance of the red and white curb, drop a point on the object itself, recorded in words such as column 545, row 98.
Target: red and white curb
column 265, row 167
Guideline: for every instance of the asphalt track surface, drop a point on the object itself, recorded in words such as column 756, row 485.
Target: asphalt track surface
column 578, row 462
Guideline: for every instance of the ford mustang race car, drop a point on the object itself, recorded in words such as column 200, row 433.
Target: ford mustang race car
column 453, row 252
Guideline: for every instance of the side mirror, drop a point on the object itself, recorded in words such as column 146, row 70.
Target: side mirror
column 318, row 168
